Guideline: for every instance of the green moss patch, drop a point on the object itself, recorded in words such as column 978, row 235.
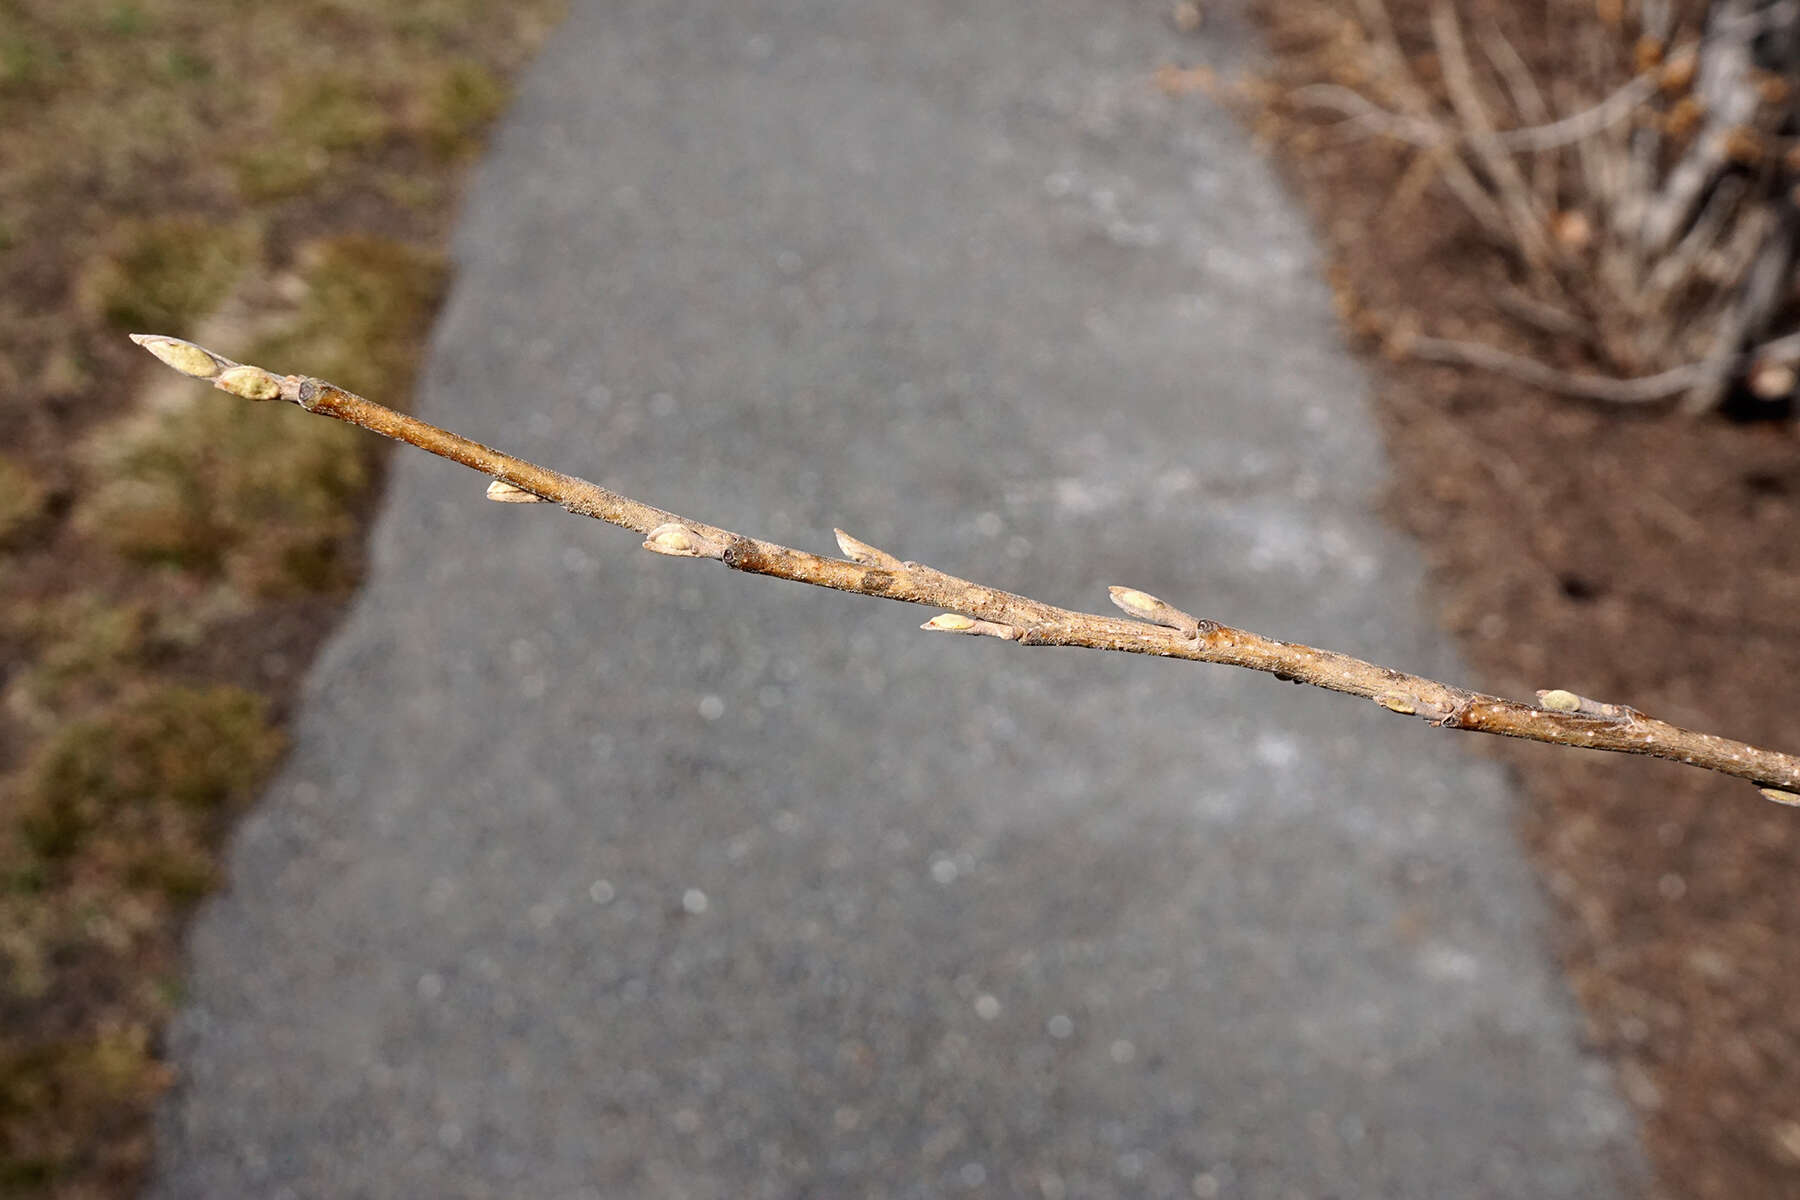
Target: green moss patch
column 460, row 103
column 84, row 646
column 263, row 495
column 162, row 274
column 220, row 489
column 147, row 777
column 367, row 304
column 22, row 499
column 114, row 826
column 336, row 110
column 320, row 118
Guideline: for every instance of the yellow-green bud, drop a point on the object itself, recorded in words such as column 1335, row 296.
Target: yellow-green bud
column 185, row 357
column 251, row 383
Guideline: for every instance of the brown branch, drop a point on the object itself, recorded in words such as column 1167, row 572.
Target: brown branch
column 1644, row 389
column 1516, row 199
column 1528, row 101
column 1426, row 133
column 1541, row 314
column 1560, row 717
column 1675, row 245
column 1393, row 68
column 1728, row 96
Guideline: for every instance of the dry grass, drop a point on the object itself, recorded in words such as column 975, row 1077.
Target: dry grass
column 301, row 160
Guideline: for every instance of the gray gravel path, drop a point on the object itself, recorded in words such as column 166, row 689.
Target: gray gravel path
column 597, row 874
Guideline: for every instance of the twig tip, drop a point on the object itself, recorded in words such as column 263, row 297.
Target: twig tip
column 189, row 359
column 1138, row 604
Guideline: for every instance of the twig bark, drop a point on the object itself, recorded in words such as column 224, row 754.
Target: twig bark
column 1428, row 133
column 1646, row 389
column 1560, row 717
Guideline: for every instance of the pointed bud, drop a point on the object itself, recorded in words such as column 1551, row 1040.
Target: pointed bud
column 957, row 623
column 1138, row 604
column 506, row 493
column 684, row 541
column 249, row 383
column 1558, row 700
column 1781, row 796
column 1395, row 702
column 672, row 538
column 185, row 357
column 867, row 555
column 1146, row 607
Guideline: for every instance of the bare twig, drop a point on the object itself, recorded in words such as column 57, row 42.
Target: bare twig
column 1509, row 65
column 1669, row 249
column 1573, row 128
column 1542, row 314
column 1728, row 98
column 1767, row 275
column 1392, row 66
column 1358, row 109
column 1647, row 389
column 1528, row 101
column 1560, row 718
column 1515, row 196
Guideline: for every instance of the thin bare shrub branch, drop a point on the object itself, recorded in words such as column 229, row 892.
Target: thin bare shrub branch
column 1150, row 626
column 1658, row 205
column 1645, row 390
column 1426, row 133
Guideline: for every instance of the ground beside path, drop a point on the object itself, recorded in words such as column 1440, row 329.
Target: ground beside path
column 1633, row 555
column 594, row 873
